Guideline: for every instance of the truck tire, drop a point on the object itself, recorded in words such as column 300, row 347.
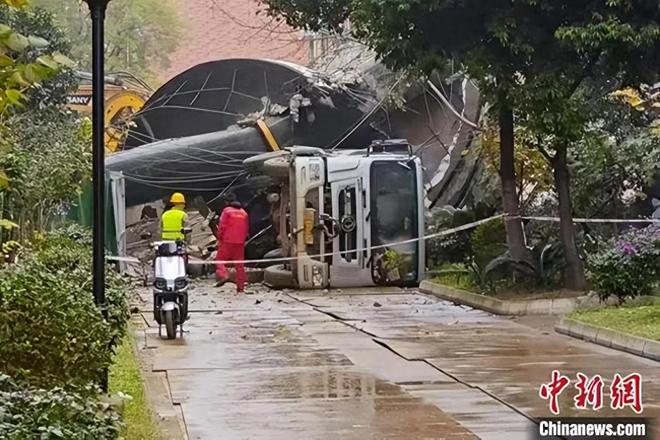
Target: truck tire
column 254, row 164
column 195, row 270
column 278, row 277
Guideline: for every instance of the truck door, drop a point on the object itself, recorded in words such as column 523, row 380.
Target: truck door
column 348, row 263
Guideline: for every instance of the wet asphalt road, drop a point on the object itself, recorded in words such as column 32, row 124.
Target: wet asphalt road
column 366, row 364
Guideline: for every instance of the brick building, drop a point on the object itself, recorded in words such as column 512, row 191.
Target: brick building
column 219, row 29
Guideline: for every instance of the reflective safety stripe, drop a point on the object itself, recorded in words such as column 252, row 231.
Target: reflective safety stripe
column 172, row 223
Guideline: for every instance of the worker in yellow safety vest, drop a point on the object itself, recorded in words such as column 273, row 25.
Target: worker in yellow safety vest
column 174, row 219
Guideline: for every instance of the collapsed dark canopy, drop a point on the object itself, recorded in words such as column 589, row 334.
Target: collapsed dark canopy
column 213, row 96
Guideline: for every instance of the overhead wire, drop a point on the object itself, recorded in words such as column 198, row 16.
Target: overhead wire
column 188, row 180
column 439, row 95
column 366, row 117
column 224, row 191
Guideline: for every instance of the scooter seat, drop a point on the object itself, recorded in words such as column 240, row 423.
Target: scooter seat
column 168, row 249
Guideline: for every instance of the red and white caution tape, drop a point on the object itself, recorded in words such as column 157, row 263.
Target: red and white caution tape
column 394, row 244
column 594, row 220
column 327, row 254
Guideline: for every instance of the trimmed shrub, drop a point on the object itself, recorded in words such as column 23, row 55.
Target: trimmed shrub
column 53, row 334
column 68, row 252
column 627, row 267
column 32, row 413
column 488, row 242
column 452, row 248
column 456, row 247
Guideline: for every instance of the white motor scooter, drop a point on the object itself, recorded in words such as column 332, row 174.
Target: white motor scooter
column 170, row 286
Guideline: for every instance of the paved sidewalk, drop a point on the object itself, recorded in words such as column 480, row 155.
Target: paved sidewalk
column 248, row 371
column 378, row 364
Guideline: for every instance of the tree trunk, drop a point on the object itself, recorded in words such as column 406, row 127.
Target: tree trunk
column 575, row 278
column 515, row 235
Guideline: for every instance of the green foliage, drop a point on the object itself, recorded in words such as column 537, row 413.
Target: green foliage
column 627, row 267
column 125, row 378
column 140, row 34
column 488, row 241
column 533, row 172
column 451, row 248
column 391, row 259
column 31, row 413
column 455, row 247
column 477, row 257
column 457, row 275
column 504, row 266
column 311, row 14
column 49, row 160
column 14, row 3
column 546, row 61
column 68, row 250
column 633, row 319
column 49, row 52
column 41, row 155
column 7, row 224
column 25, row 59
column 54, row 335
column 616, row 160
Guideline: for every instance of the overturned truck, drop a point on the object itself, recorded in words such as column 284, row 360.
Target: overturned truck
column 346, row 218
column 195, row 132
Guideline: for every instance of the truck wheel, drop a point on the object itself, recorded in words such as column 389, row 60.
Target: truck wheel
column 278, row 277
column 195, row 270
column 170, row 324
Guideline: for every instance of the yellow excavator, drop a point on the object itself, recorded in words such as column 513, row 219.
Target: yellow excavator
column 125, row 94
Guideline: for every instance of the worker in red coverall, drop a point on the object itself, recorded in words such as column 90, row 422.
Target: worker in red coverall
column 233, row 229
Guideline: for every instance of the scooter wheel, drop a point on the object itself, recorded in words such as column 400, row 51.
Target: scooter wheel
column 170, row 324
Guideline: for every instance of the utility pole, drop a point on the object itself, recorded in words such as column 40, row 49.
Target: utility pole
column 97, row 9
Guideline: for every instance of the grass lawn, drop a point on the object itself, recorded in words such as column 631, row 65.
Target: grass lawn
column 634, row 320
column 125, row 377
column 456, row 281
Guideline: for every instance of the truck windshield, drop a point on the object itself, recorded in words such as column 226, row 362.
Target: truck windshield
column 394, row 211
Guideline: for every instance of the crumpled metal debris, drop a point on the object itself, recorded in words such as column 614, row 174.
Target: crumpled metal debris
column 297, row 102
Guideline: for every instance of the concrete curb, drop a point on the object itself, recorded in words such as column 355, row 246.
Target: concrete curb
column 555, row 306
column 636, row 345
column 158, row 395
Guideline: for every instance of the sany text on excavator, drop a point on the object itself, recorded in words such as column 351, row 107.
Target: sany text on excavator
column 125, row 95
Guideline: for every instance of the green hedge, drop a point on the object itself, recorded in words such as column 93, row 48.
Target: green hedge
column 53, row 334
column 54, row 342
column 33, row 413
column 68, row 251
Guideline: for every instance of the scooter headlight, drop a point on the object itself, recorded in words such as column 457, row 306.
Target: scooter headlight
column 180, row 283
column 160, row 283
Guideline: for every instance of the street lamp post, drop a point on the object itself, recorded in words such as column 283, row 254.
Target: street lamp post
column 97, row 9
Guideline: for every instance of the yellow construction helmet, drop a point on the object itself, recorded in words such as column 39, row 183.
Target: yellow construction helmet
column 177, row 199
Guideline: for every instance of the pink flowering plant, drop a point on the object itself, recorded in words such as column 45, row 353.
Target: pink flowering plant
column 629, row 266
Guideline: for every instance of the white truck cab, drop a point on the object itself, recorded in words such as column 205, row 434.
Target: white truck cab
column 350, row 218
